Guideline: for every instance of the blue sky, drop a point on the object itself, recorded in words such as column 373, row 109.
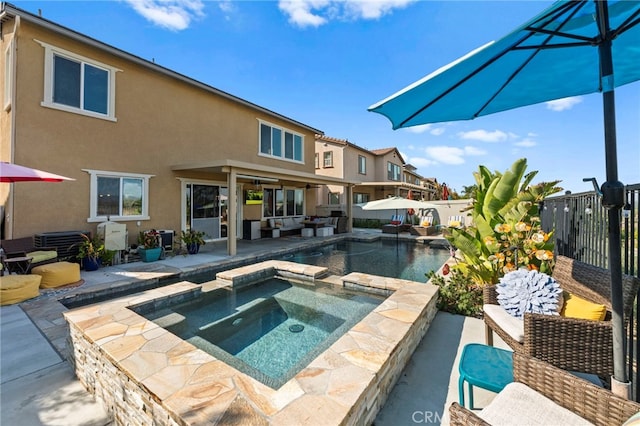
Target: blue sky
column 323, row 62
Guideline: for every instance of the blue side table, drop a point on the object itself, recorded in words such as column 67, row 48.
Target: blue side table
column 486, row 367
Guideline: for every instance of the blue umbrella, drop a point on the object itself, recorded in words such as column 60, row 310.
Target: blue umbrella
column 572, row 48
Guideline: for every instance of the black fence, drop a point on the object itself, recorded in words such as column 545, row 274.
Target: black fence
column 580, row 226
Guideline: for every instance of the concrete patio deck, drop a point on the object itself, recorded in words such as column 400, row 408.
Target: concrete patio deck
column 38, row 387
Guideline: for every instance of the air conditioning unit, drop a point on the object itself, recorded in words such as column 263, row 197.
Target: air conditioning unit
column 66, row 243
column 167, row 239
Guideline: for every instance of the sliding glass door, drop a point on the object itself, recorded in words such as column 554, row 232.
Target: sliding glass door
column 206, row 209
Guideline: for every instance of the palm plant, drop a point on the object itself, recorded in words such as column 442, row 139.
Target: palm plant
column 506, row 233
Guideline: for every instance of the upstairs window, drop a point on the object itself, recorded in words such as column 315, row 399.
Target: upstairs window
column 328, row 159
column 280, row 143
column 317, row 160
column 393, row 172
column 77, row 84
column 362, row 164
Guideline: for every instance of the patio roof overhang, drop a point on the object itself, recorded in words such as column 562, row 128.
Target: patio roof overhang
column 247, row 172
column 403, row 185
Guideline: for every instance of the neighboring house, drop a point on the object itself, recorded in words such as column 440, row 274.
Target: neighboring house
column 379, row 173
column 147, row 147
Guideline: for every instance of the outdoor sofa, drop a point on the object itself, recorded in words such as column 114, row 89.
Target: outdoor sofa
column 287, row 225
column 544, row 394
column 581, row 345
column 24, row 247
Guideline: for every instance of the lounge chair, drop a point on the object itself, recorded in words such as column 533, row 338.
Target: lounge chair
column 544, row 394
column 397, row 225
column 571, row 344
column 456, row 221
column 424, row 227
column 24, row 247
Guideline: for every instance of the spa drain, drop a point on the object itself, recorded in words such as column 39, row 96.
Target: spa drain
column 296, row 328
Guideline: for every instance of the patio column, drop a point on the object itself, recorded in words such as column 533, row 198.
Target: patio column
column 232, row 212
column 349, row 208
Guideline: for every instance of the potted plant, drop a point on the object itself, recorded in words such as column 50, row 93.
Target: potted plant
column 90, row 252
column 150, row 245
column 193, row 240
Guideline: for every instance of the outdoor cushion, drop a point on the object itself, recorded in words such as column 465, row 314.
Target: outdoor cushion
column 58, row 274
column 17, row 288
column 577, row 307
column 518, row 404
column 524, row 291
column 633, row 420
column 513, row 326
column 42, row 255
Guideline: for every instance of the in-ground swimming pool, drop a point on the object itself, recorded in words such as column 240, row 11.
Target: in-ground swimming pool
column 387, row 258
column 270, row 330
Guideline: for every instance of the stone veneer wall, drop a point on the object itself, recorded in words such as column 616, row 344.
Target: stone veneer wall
column 131, row 403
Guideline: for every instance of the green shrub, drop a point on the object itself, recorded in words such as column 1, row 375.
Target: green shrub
column 458, row 294
column 367, row 223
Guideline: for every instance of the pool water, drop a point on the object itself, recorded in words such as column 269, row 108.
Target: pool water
column 387, row 258
column 270, row 330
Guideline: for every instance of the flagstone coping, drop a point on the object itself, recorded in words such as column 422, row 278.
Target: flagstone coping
column 168, row 379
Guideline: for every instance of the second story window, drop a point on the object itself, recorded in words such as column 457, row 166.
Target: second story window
column 280, row 143
column 362, row 164
column 317, row 160
column 393, row 172
column 328, row 159
column 77, row 84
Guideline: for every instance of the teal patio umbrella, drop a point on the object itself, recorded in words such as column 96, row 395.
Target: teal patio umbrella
column 572, row 48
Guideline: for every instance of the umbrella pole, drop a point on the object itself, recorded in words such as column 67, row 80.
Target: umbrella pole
column 613, row 200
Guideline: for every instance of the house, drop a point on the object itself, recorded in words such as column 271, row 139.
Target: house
column 148, row 147
column 379, row 173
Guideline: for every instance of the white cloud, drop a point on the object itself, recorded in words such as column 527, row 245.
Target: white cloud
column 173, row 15
column 563, row 104
column 526, row 143
column 472, row 150
column 422, row 162
column 419, row 129
column 485, row 136
column 446, row 154
column 437, row 131
column 313, row 13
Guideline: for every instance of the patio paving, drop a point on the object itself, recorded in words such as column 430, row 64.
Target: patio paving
column 39, row 388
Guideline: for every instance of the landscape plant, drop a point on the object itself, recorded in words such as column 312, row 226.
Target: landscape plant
column 505, row 232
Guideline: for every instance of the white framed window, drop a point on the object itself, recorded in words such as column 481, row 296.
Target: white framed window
column 393, row 171
column 333, row 198
column 118, row 196
column 328, row 158
column 77, row 84
column 279, row 202
column 359, row 198
column 362, row 164
column 278, row 142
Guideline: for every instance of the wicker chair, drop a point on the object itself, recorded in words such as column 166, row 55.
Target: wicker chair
column 594, row 404
column 570, row 344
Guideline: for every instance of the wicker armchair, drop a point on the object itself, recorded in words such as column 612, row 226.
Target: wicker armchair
column 594, row 404
column 570, row 344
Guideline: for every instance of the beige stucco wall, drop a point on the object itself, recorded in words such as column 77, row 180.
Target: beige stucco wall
column 5, row 114
column 161, row 122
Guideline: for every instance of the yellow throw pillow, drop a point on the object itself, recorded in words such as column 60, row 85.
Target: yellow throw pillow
column 577, row 307
column 426, row 223
column 454, row 223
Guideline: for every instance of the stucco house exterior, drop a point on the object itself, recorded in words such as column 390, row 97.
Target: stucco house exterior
column 147, row 147
column 378, row 174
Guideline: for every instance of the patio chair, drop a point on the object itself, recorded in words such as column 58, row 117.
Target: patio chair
column 544, row 394
column 571, row 344
column 397, row 225
column 456, row 221
column 425, row 227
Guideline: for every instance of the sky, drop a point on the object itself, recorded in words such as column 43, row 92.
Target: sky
column 324, row 62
